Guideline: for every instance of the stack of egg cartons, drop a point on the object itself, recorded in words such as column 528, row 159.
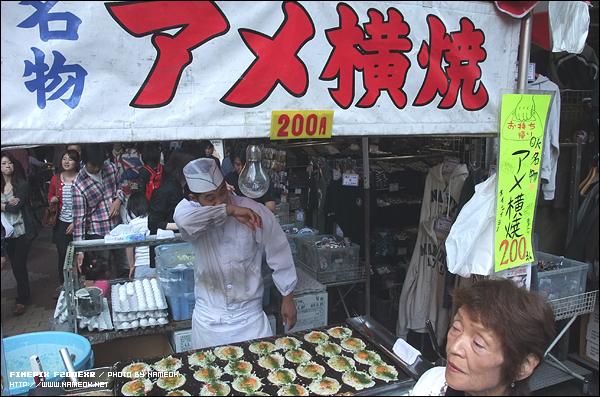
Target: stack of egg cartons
column 138, row 304
column 175, row 272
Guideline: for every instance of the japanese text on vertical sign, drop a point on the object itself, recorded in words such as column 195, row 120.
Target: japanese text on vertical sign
column 521, row 138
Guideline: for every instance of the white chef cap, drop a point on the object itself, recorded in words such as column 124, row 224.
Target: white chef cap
column 202, row 175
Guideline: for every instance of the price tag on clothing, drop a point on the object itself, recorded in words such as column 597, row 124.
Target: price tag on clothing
column 450, row 163
column 336, row 175
column 298, row 191
column 443, row 224
column 394, row 187
column 350, row 180
column 493, row 169
column 300, row 216
column 283, row 199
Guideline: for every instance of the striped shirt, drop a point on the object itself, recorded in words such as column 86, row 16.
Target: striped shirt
column 66, row 212
column 92, row 201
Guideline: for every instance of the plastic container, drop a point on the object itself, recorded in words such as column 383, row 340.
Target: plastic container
column 323, row 262
column 4, row 368
column 175, row 269
column 293, row 234
column 282, row 213
column 47, row 346
column 567, row 280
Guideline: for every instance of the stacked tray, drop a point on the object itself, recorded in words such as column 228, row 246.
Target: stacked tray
column 139, row 303
column 300, row 362
column 101, row 322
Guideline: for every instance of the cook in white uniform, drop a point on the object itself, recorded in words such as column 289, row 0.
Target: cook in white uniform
column 229, row 235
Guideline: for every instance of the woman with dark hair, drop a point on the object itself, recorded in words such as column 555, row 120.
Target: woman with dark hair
column 499, row 336
column 17, row 211
column 238, row 159
column 208, row 150
column 171, row 191
column 62, row 234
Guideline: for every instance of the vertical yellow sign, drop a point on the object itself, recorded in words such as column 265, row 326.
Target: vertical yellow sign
column 523, row 119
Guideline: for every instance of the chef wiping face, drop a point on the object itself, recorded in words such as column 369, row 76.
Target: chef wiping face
column 206, row 182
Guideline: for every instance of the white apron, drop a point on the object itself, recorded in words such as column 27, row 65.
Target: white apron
column 214, row 327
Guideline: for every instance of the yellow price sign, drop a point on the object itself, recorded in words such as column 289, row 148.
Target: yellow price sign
column 301, row 124
column 521, row 141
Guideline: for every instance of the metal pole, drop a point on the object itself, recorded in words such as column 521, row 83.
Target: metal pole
column 367, row 204
column 524, row 50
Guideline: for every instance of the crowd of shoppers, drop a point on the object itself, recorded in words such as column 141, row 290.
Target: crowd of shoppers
column 92, row 185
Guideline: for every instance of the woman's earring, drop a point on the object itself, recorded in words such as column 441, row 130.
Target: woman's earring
column 512, row 384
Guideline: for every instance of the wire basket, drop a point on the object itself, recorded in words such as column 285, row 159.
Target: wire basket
column 574, row 305
column 330, row 278
column 575, row 108
column 395, row 291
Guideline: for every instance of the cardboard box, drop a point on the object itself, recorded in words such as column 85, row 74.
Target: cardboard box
column 592, row 327
column 181, row 340
column 134, row 348
column 588, row 350
column 124, row 238
column 591, row 351
column 312, row 311
column 123, row 234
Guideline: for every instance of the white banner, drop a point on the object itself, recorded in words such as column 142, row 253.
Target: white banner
column 90, row 71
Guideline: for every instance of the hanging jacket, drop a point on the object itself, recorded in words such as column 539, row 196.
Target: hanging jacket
column 550, row 148
column 422, row 293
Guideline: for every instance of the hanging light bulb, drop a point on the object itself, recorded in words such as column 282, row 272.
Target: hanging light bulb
column 253, row 181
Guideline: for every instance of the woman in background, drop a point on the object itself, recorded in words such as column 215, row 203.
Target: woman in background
column 171, row 191
column 17, row 211
column 63, row 230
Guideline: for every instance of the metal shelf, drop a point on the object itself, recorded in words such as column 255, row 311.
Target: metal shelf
column 72, row 284
column 556, row 371
column 574, row 305
column 547, row 375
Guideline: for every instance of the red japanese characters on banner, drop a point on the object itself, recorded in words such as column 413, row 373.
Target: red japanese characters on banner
column 380, row 57
column 173, row 70
column 276, row 61
column 200, row 21
column 462, row 51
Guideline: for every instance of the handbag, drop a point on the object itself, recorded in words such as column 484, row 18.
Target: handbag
column 51, row 212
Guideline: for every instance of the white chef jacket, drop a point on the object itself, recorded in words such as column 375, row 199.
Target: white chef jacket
column 227, row 271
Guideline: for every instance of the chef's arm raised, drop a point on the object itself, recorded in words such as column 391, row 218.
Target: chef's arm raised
column 193, row 220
